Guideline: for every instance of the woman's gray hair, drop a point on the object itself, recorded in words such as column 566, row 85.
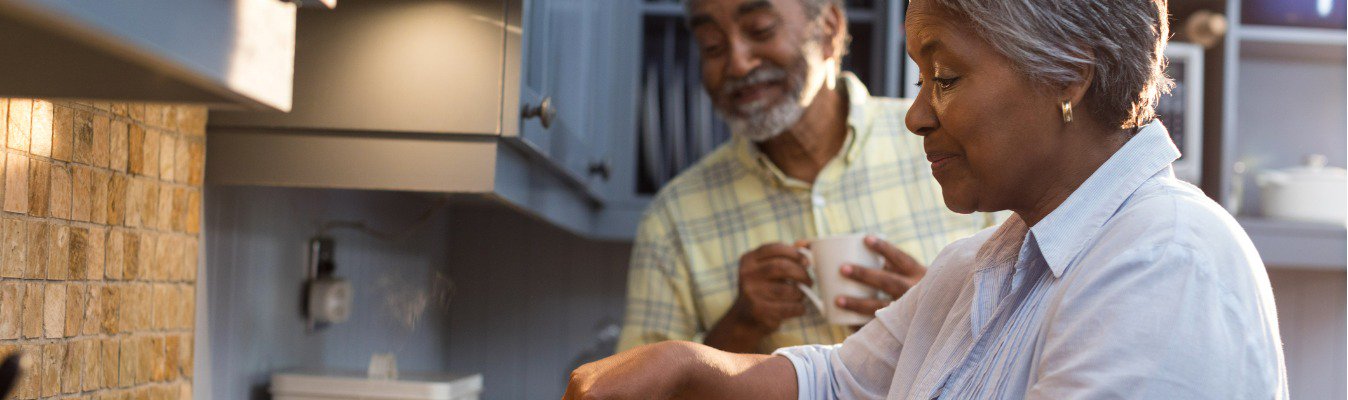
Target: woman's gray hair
column 1055, row 41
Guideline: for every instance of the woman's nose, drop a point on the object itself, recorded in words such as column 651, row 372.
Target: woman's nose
column 921, row 118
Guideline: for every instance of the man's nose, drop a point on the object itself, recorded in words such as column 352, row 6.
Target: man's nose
column 742, row 60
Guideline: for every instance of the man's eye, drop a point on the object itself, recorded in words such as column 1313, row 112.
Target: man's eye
column 762, row 31
column 712, row 50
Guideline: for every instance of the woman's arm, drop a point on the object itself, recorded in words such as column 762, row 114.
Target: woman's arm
column 861, row 368
column 670, row 370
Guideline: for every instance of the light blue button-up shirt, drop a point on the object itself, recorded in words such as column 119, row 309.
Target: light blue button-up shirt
column 1137, row 286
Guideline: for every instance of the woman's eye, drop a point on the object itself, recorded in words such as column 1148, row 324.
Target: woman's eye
column 941, row 83
column 944, row 83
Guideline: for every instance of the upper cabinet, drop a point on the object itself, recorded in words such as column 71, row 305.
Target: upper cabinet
column 235, row 53
column 499, row 98
column 562, row 84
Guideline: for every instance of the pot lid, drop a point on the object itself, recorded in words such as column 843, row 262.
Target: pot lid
column 1313, row 168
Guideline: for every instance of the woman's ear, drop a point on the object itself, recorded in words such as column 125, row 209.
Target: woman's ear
column 1076, row 91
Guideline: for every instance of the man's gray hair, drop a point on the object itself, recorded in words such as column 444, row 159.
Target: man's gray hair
column 1055, row 41
column 812, row 7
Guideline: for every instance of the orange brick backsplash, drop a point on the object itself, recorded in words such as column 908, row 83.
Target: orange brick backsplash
column 99, row 239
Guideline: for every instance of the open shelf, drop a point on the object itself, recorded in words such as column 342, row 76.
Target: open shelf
column 1300, row 245
column 1280, row 41
column 662, row 9
column 1293, row 35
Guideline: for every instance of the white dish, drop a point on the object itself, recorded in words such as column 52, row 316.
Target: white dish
column 1312, row 192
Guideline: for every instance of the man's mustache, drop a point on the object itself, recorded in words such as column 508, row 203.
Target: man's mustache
column 758, row 75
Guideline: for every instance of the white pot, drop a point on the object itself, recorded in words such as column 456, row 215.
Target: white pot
column 1312, row 192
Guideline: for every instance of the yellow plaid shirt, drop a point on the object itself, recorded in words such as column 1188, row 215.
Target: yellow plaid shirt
column 684, row 270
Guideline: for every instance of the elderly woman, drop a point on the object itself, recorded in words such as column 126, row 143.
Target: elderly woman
column 1112, row 279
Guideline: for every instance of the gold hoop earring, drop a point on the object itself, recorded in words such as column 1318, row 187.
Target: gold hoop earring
column 1066, row 111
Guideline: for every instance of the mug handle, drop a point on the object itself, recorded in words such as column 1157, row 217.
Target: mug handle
column 809, row 293
column 809, row 255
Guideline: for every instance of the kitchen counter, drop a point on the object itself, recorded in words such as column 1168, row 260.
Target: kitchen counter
column 1300, row 245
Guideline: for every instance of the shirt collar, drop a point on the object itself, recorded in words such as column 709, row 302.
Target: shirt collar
column 858, row 131
column 1065, row 232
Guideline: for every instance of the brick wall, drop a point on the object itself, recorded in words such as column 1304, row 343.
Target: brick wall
column 98, row 246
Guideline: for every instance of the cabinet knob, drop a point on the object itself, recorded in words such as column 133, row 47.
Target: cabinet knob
column 600, row 168
column 544, row 111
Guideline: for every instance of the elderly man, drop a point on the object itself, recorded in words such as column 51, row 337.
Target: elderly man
column 813, row 155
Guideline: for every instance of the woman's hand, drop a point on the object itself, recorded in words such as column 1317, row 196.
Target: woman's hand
column 653, row 371
column 899, row 274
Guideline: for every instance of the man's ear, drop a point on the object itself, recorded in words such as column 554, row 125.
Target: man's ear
column 833, row 20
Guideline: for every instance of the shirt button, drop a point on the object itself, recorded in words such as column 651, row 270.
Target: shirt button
column 818, row 201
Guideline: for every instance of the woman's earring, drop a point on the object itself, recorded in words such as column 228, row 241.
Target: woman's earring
column 1066, row 111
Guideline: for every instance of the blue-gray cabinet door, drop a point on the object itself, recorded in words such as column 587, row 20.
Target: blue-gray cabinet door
column 559, row 84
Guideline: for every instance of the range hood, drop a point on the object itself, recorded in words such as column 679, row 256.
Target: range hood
column 237, row 54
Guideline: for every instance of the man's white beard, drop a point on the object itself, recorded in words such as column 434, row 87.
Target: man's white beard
column 767, row 124
column 761, row 120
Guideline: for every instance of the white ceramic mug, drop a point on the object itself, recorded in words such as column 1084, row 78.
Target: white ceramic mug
column 826, row 256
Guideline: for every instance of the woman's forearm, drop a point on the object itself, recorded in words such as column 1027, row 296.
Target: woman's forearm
column 716, row 374
column 684, row 370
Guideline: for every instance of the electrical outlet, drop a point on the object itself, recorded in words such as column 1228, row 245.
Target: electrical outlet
column 318, row 272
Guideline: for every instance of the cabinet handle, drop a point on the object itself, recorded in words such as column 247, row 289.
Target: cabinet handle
column 545, row 112
column 600, row 168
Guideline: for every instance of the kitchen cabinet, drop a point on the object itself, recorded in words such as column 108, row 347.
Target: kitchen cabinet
column 503, row 99
column 554, row 81
column 566, row 83
column 236, row 53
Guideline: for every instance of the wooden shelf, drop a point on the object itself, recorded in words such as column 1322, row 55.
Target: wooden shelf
column 1298, row 245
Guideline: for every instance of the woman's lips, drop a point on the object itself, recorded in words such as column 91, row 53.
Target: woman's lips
column 940, row 160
